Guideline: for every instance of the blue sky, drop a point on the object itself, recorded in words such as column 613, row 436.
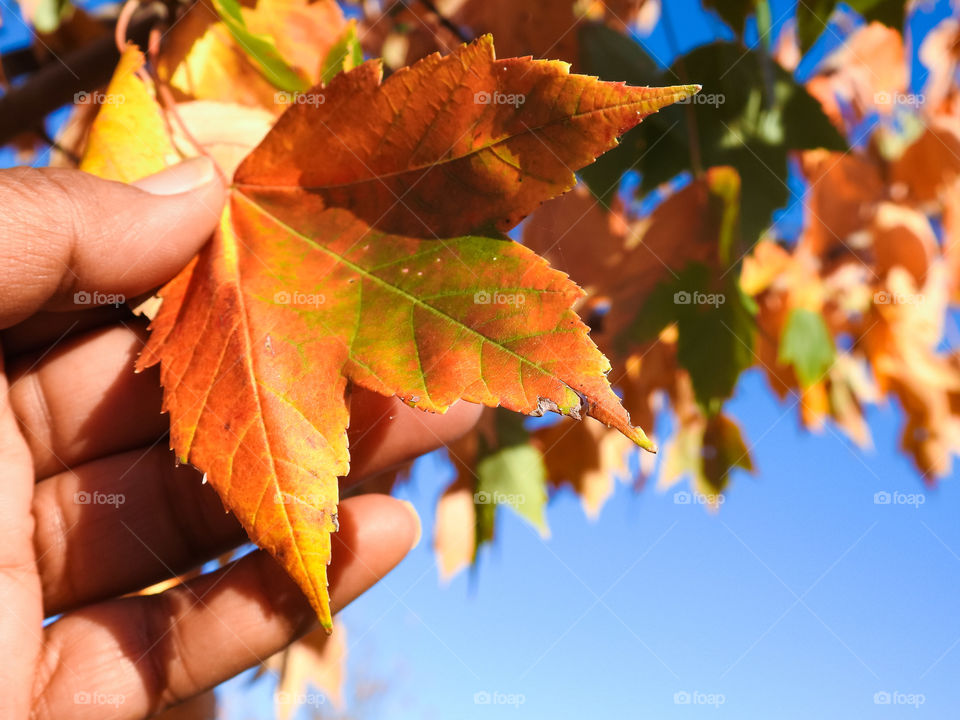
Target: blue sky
column 802, row 597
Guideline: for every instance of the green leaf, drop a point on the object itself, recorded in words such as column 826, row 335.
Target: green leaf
column 345, row 55
column 614, row 56
column 706, row 452
column 716, row 327
column 812, row 19
column 739, row 123
column 48, row 14
column 733, row 12
column 889, row 12
column 813, row 15
column 723, row 450
column 260, row 48
column 510, row 472
column 748, row 128
column 806, row 344
column 736, row 121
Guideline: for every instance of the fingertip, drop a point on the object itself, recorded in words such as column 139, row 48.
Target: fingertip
column 189, row 175
column 376, row 533
column 70, row 240
column 385, row 433
column 418, row 526
column 180, row 208
column 189, row 203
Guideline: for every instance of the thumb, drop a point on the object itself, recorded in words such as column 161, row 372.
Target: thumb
column 69, row 239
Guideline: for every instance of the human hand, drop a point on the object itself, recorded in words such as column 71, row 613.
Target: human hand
column 75, row 420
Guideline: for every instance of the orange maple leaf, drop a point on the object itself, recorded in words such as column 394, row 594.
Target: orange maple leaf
column 329, row 267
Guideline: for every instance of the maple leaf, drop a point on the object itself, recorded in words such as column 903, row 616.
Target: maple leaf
column 496, row 465
column 866, row 74
column 587, row 456
column 625, row 257
column 705, row 449
column 930, row 163
column 137, row 116
column 844, row 191
column 314, row 662
column 441, row 133
column 329, row 267
column 454, row 535
column 224, row 131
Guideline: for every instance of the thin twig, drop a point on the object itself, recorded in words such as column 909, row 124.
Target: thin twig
column 123, row 24
column 446, row 22
column 693, row 136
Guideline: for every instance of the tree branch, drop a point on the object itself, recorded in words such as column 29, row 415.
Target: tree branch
column 25, row 106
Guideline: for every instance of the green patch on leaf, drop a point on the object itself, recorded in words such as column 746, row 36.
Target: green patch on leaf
column 723, row 450
column 716, row 328
column 345, row 55
column 511, row 472
column 807, row 346
column 48, row 14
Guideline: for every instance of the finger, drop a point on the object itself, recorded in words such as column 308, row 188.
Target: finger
column 68, row 239
column 122, row 523
column 385, row 432
column 44, row 329
column 138, row 655
column 82, row 401
column 21, row 614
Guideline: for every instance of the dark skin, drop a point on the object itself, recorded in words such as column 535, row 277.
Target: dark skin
column 74, row 418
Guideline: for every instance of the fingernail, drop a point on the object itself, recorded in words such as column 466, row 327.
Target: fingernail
column 183, row 177
column 416, row 521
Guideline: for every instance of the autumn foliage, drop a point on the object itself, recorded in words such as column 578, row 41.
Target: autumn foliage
column 363, row 245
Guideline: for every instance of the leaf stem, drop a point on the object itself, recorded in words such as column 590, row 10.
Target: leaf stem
column 446, row 22
column 693, row 136
column 764, row 41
